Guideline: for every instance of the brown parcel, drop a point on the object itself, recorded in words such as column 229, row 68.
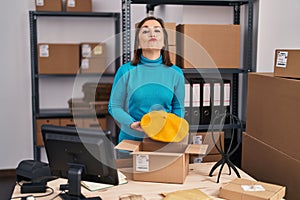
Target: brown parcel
column 78, row 5
column 58, row 58
column 208, row 46
column 234, row 190
column 266, row 163
column 160, row 162
column 273, row 112
column 213, row 155
column 287, row 63
column 48, row 5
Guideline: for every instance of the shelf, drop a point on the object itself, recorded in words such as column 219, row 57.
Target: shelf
column 75, row 14
column 71, row 75
column 187, row 71
column 62, row 113
column 192, row 2
column 208, row 127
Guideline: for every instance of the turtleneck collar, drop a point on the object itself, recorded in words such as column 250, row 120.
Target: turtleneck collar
column 147, row 61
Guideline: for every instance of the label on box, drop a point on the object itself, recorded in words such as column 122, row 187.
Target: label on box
column 44, row 50
column 86, row 50
column 142, row 163
column 282, row 57
column 71, row 3
column 39, row 2
column 253, row 188
column 85, row 63
column 97, row 50
column 197, row 139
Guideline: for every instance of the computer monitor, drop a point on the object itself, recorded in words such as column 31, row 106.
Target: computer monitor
column 79, row 154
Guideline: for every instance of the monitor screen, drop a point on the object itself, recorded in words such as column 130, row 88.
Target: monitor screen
column 87, row 152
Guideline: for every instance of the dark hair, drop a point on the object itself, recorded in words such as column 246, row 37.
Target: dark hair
column 164, row 51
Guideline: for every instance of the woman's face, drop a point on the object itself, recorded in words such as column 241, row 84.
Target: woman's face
column 151, row 35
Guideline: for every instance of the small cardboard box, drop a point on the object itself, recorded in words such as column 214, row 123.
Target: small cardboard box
column 243, row 189
column 287, row 63
column 93, row 57
column 208, row 46
column 79, row 5
column 213, row 155
column 171, row 31
column 58, row 58
column 172, row 53
column 160, row 162
column 48, row 5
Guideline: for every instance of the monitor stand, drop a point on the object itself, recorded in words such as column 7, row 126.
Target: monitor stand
column 74, row 186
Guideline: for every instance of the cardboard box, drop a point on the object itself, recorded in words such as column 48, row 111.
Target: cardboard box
column 266, row 163
column 273, row 112
column 172, row 53
column 287, row 63
column 93, row 58
column 243, row 189
column 79, row 5
column 213, row 155
column 58, row 58
column 48, row 5
column 95, row 123
column 39, row 122
column 171, row 31
column 160, row 162
column 208, row 46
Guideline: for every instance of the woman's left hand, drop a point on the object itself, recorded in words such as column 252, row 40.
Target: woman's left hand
column 136, row 126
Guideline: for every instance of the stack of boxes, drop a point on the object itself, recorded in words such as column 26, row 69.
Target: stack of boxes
column 270, row 149
column 64, row 5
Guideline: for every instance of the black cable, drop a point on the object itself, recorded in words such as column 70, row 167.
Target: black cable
column 36, row 196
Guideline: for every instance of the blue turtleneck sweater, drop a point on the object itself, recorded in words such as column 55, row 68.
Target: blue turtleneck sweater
column 137, row 90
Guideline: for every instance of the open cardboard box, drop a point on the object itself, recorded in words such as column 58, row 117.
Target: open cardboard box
column 160, row 162
column 243, row 189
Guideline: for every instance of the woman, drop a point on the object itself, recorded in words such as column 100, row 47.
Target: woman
column 149, row 82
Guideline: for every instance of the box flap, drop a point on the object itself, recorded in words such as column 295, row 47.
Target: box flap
column 196, row 149
column 129, row 145
column 157, row 153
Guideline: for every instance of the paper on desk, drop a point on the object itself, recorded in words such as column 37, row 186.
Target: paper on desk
column 194, row 194
column 92, row 186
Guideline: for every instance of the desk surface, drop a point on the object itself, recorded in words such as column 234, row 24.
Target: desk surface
column 197, row 178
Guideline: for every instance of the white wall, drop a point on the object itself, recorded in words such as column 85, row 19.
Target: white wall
column 278, row 27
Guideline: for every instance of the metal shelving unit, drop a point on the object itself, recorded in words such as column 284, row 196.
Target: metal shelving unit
column 235, row 4
column 38, row 113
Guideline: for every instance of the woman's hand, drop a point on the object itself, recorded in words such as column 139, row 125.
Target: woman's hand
column 136, row 126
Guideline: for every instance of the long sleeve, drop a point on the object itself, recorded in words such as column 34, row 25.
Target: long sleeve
column 178, row 99
column 117, row 104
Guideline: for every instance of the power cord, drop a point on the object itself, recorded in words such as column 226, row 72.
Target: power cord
column 32, row 197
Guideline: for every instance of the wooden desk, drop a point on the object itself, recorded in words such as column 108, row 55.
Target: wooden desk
column 197, row 178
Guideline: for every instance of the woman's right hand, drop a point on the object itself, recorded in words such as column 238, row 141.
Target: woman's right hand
column 136, row 126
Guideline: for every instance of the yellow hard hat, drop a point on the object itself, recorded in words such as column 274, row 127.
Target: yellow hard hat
column 164, row 127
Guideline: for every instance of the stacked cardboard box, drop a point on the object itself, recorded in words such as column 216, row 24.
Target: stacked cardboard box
column 208, row 46
column 287, row 63
column 64, row 5
column 270, row 149
column 171, row 31
column 79, row 5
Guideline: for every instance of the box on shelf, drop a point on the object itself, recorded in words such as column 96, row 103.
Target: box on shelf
column 172, row 53
column 39, row 122
column 287, row 63
column 244, row 189
column 79, row 5
column 48, row 5
column 95, row 123
column 208, row 46
column 58, row 58
column 264, row 162
column 213, row 155
column 160, row 162
column 93, row 57
column 79, row 106
column 171, row 31
column 96, row 91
